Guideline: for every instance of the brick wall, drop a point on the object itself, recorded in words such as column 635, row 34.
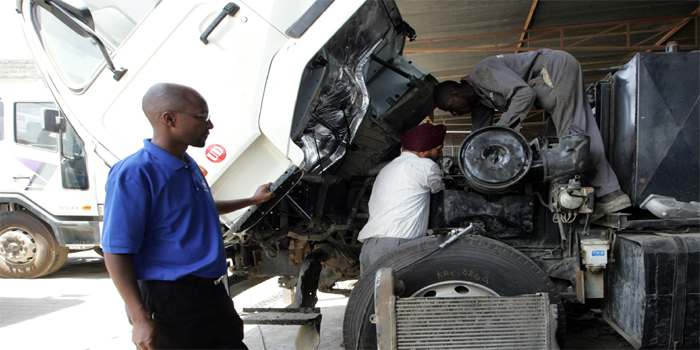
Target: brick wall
column 18, row 69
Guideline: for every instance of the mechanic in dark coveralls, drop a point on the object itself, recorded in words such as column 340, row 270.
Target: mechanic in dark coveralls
column 549, row 79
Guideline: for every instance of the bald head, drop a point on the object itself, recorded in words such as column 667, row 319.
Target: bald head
column 165, row 97
column 453, row 97
column 443, row 92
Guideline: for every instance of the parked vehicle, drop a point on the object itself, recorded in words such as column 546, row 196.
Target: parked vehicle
column 321, row 89
column 312, row 97
column 47, row 203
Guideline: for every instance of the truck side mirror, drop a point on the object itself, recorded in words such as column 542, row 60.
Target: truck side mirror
column 77, row 8
column 53, row 122
column 76, row 16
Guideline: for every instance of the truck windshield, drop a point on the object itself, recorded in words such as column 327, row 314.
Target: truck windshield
column 76, row 58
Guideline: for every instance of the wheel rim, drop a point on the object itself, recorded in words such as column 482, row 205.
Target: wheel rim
column 17, row 246
column 454, row 289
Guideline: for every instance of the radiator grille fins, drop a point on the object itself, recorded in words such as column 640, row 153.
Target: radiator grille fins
column 519, row 322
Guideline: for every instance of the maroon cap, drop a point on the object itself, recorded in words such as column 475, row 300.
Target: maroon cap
column 424, row 137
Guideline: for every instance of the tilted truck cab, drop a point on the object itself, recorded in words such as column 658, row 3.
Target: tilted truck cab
column 311, row 89
column 312, row 95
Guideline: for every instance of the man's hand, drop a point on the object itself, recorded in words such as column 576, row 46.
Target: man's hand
column 145, row 334
column 263, row 194
column 121, row 269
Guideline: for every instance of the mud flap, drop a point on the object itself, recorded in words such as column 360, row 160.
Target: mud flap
column 309, row 336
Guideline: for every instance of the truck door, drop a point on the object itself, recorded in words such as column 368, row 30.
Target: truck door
column 30, row 153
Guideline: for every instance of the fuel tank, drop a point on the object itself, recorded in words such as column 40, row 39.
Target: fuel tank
column 654, row 132
column 652, row 290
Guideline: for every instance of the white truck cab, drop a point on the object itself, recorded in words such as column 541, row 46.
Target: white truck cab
column 48, row 197
column 296, row 88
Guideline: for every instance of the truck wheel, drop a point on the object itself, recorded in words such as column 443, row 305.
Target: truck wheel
column 61, row 258
column 27, row 247
column 470, row 266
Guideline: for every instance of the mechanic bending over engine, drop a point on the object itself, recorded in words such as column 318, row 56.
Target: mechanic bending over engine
column 551, row 80
column 162, row 237
column 400, row 200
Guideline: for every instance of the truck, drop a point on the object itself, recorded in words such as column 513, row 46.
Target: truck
column 332, row 83
column 47, row 207
column 313, row 95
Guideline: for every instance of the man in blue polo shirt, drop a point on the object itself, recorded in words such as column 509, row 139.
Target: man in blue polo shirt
column 162, row 238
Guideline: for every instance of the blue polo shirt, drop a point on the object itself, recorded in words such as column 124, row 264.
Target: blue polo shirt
column 160, row 210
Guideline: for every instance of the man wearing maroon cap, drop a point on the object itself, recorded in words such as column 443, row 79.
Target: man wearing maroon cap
column 400, row 200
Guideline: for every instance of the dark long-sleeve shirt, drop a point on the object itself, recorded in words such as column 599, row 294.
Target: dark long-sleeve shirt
column 502, row 83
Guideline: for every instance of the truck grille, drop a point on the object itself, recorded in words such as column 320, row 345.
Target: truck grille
column 519, row 322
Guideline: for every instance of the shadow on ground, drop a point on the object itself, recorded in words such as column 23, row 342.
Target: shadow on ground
column 82, row 265
column 590, row 331
column 23, row 309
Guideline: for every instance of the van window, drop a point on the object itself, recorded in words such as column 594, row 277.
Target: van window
column 29, row 126
column 2, row 121
column 76, row 58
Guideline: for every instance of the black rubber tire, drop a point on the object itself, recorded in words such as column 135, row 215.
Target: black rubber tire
column 476, row 259
column 45, row 257
column 61, row 258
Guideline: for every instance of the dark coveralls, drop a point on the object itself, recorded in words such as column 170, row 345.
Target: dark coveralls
column 551, row 80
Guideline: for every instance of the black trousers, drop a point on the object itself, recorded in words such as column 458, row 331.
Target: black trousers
column 193, row 313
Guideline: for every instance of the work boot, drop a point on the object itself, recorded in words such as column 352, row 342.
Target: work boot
column 611, row 203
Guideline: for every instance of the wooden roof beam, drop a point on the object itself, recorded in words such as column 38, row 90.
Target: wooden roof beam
column 527, row 24
column 546, row 31
column 599, row 34
column 678, row 27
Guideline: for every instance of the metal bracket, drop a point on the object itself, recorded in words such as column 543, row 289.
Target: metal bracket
column 613, row 220
column 308, row 320
column 385, row 309
column 102, row 45
column 309, row 276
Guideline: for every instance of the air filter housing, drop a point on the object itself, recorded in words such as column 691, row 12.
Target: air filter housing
column 495, row 158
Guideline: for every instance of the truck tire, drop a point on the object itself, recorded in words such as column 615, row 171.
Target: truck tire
column 28, row 249
column 469, row 266
column 61, row 258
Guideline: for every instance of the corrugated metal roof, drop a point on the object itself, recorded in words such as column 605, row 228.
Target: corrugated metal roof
column 562, row 13
column 434, row 19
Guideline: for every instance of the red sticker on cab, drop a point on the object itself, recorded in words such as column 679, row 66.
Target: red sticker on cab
column 216, row 153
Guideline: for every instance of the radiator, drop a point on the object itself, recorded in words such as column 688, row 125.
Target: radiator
column 520, row 322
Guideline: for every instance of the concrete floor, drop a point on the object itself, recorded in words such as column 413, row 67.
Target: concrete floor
column 79, row 308
column 282, row 337
column 75, row 308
